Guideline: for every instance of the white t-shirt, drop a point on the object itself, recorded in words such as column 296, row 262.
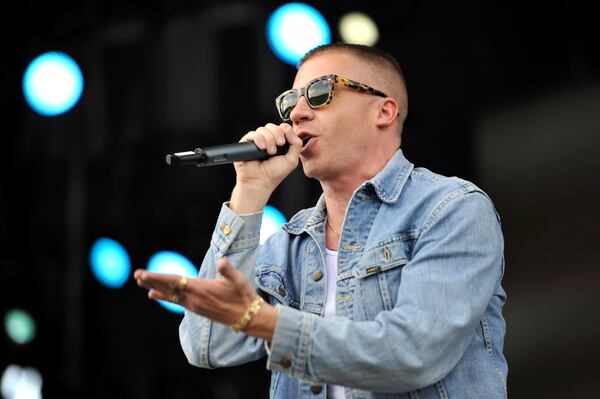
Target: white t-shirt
column 333, row 391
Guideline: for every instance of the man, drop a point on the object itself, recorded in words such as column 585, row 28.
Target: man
column 388, row 287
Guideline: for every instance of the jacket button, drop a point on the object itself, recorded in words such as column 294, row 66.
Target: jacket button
column 317, row 275
column 226, row 229
column 286, row 362
column 281, row 290
column 316, row 389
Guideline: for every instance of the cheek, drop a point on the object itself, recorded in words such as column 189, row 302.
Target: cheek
column 353, row 128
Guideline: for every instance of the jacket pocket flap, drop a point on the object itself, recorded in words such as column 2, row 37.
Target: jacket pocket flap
column 381, row 258
column 270, row 280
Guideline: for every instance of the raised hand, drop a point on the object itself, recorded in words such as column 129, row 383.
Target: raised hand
column 256, row 180
column 223, row 300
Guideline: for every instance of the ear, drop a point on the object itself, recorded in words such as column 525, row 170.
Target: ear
column 386, row 112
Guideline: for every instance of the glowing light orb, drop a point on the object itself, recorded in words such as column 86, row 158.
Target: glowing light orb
column 20, row 326
column 294, row 29
column 110, row 262
column 271, row 222
column 21, row 383
column 358, row 28
column 52, row 83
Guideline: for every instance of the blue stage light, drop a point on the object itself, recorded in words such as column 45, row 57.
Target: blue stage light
column 169, row 262
column 110, row 262
column 52, row 83
column 271, row 222
column 294, row 29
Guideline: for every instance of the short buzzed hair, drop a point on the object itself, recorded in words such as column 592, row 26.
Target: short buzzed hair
column 375, row 57
column 367, row 53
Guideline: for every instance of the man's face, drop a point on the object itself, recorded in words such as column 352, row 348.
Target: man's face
column 341, row 133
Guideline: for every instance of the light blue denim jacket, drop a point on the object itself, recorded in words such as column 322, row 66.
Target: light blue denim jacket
column 419, row 300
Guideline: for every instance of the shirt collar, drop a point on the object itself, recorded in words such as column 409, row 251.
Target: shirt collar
column 387, row 184
column 389, row 181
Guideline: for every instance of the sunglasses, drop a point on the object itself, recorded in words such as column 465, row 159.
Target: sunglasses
column 318, row 93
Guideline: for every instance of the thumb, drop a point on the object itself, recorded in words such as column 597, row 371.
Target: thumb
column 294, row 141
column 225, row 268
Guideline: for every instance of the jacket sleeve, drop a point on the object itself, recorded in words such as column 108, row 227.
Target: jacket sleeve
column 209, row 344
column 456, row 267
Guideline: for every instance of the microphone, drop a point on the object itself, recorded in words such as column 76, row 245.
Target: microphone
column 222, row 154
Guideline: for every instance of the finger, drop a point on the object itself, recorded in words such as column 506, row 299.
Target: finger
column 157, row 280
column 256, row 139
column 225, row 268
column 270, row 139
column 278, row 132
column 157, row 295
column 295, row 142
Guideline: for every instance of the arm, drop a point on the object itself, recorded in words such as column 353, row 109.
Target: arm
column 446, row 287
column 224, row 289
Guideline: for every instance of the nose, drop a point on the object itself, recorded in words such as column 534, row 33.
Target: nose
column 302, row 111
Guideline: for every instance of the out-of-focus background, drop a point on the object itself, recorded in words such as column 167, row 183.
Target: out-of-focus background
column 501, row 93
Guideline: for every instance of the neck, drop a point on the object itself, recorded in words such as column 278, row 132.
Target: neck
column 339, row 188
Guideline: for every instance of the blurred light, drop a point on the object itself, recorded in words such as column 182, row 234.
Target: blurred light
column 359, row 28
column 52, row 83
column 294, row 29
column 21, row 383
column 169, row 262
column 20, row 326
column 271, row 222
column 110, row 262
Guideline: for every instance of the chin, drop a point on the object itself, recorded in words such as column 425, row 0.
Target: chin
column 310, row 168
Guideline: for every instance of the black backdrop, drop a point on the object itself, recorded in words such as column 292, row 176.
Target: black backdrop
column 501, row 93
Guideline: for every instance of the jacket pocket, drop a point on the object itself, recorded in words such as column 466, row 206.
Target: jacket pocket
column 271, row 280
column 378, row 275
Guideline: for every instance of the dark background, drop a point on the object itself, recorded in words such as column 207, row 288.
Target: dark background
column 502, row 93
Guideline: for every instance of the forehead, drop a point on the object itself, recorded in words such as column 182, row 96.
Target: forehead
column 330, row 63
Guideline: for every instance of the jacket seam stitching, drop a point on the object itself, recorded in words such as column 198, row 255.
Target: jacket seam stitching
column 461, row 192
column 441, row 389
column 488, row 345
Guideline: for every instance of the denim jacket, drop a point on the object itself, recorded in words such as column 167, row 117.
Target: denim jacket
column 418, row 298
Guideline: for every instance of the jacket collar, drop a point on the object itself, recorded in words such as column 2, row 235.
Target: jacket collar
column 387, row 184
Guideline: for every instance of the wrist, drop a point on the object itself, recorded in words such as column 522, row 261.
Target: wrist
column 248, row 199
column 251, row 311
column 263, row 323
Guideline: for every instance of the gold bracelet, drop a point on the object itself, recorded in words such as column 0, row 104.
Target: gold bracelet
column 252, row 310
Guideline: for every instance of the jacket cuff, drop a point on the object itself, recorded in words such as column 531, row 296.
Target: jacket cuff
column 290, row 342
column 235, row 232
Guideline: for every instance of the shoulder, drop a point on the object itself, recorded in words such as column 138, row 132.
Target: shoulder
column 432, row 193
column 424, row 178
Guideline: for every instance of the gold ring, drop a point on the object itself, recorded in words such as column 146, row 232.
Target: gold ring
column 181, row 284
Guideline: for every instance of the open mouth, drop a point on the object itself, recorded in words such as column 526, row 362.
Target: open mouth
column 306, row 144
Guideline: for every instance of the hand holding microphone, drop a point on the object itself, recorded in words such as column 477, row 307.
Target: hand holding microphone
column 226, row 154
column 255, row 181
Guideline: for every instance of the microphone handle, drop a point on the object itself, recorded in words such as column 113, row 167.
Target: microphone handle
column 222, row 154
column 229, row 153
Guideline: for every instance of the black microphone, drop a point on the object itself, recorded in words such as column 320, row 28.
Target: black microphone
column 222, row 154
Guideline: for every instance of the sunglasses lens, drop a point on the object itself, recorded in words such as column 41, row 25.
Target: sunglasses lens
column 287, row 104
column 318, row 92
